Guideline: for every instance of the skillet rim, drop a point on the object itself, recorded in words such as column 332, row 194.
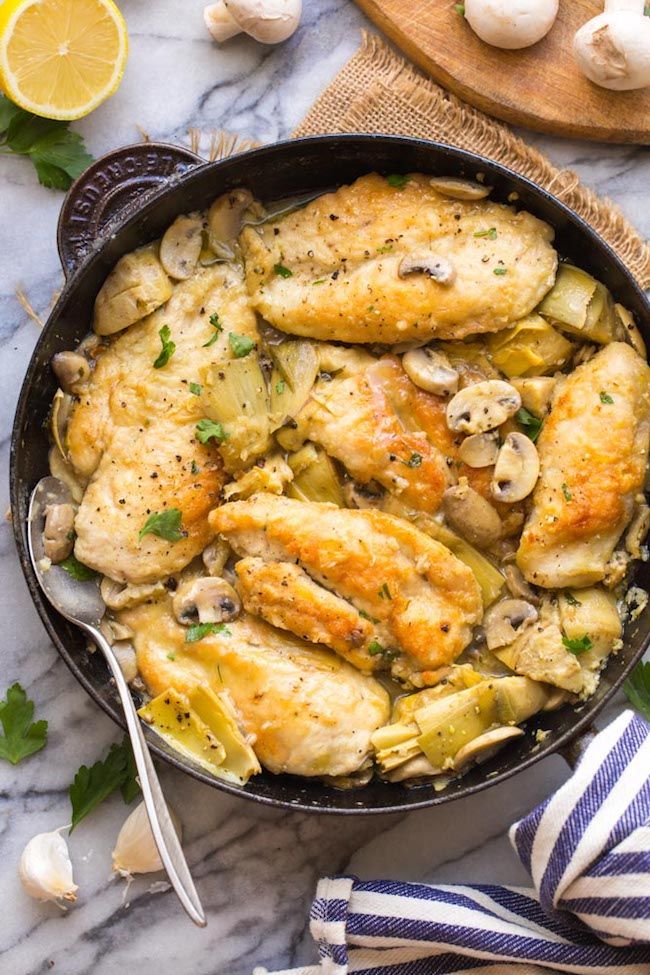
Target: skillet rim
column 136, row 212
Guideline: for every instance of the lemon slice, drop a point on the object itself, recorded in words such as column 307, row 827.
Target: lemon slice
column 61, row 58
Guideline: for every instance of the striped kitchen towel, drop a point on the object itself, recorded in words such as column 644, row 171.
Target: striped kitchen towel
column 588, row 851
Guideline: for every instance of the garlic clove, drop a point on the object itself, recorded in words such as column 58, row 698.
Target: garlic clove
column 45, row 869
column 135, row 850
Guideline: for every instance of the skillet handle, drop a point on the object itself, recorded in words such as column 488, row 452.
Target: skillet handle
column 575, row 749
column 110, row 190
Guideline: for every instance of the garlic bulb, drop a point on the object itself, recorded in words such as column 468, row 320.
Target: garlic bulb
column 135, row 850
column 45, row 869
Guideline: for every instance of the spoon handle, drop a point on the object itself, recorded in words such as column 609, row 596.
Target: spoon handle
column 169, row 847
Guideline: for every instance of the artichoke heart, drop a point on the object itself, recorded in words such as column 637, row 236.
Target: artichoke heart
column 490, row 579
column 532, row 348
column 237, row 398
column 314, row 477
column 580, row 305
column 295, row 367
column 136, row 286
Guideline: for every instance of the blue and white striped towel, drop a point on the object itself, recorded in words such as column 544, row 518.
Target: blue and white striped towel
column 588, row 851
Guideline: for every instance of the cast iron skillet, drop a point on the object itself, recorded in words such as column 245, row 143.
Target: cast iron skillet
column 128, row 198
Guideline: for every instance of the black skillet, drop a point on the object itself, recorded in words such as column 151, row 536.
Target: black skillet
column 129, row 197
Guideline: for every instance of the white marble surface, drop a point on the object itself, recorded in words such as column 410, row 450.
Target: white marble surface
column 255, row 868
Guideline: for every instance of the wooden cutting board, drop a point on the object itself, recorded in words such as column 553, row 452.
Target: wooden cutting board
column 539, row 87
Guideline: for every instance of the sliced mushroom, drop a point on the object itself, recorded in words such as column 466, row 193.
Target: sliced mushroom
column 503, row 622
column 71, row 369
column 58, row 533
column 516, row 470
column 215, row 556
column 471, row 515
column 415, row 768
column 438, row 268
column 556, row 699
column 518, row 585
column 225, row 218
column 359, row 495
column 637, row 531
column 431, row 371
column 629, row 328
column 126, row 658
column 484, row 747
column 208, row 599
column 482, row 406
column 120, row 595
column 480, row 450
column 459, row 189
column 181, row 246
column 61, row 409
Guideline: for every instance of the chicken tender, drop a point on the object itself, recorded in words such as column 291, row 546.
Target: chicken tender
column 333, row 269
column 133, row 431
column 424, row 598
column 593, row 451
column 310, row 712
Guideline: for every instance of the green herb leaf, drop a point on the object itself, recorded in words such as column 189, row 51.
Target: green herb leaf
column 78, row 571
column 386, row 249
column 201, row 630
column 92, row 785
column 168, row 348
column 500, row 271
column 196, row 388
column 195, row 468
column 460, row 9
column 22, row 736
column 375, row 648
column 280, row 386
column 605, row 397
column 165, row 524
column 366, row 616
column 397, row 180
column 216, row 324
column 567, row 494
column 491, row 234
column 384, row 592
column 578, row 645
column 415, row 460
column 320, row 281
column 171, row 656
column 571, row 599
column 240, row 345
column 209, row 430
column 282, row 271
column 531, row 424
column 58, row 154
column 637, row 687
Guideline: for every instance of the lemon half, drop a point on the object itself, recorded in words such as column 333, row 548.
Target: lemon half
column 61, row 58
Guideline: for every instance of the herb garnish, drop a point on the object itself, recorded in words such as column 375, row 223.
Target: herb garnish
column 280, row 386
column 78, row 571
column 415, row 460
column 460, row 9
column 605, row 397
column 565, row 491
column 500, row 271
column 282, row 271
column 168, row 348
column 320, row 281
column 196, row 389
column 375, row 647
column 92, row 785
column 209, row 430
column 58, row 154
column 366, row 616
column 195, row 633
column 240, row 345
column 216, row 324
column 164, row 524
column 384, row 592
column 397, row 180
column 571, row 599
column 578, row 645
column 491, row 234
column 637, row 688
column 22, row 736
column 195, row 468
column 531, row 424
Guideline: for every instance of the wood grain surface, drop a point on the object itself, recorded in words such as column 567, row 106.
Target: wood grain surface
column 539, row 87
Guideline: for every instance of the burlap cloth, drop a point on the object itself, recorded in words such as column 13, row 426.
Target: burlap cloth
column 377, row 91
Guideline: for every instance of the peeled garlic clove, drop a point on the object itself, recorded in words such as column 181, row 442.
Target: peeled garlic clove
column 45, row 869
column 135, row 850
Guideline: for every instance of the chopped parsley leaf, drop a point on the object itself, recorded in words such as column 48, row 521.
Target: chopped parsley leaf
column 571, row 599
column 202, row 630
column 491, row 234
column 565, row 491
column 282, row 271
column 500, row 271
column 397, row 180
column 460, row 9
column 637, row 686
column 578, row 645
column 280, row 386
column 196, row 388
column 168, row 348
column 77, row 569
column 209, row 430
column 164, row 524
column 320, row 281
column 605, row 397
column 374, row 648
column 531, row 424
column 195, row 468
column 216, row 324
column 415, row 460
column 240, row 345
column 171, row 656
column 384, row 592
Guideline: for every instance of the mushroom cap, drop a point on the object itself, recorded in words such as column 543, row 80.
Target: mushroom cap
column 511, row 24
column 267, row 21
column 613, row 50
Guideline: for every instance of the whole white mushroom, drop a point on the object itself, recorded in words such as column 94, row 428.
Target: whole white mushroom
column 511, row 24
column 267, row 21
column 613, row 49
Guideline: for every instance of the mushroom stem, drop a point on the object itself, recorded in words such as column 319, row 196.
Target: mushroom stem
column 220, row 23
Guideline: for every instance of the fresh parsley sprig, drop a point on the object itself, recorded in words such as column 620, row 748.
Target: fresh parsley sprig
column 92, row 785
column 577, row 645
column 22, row 736
column 77, row 569
column 201, row 630
column 168, row 347
column 637, row 688
column 58, row 155
column 165, row 524
column 530, row 423
column 206, row 430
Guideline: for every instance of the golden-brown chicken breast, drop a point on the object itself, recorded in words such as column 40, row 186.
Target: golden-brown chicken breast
column 593, row 452
column 310, row 712
column 381, row 427
column 413, row 589
column 133, row 431
column 338, row 268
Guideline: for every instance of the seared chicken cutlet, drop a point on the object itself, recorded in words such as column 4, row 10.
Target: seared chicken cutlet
column 421, row 599
column 133, row 432
column 310, row 712
column 339, row 268
column 593, row 451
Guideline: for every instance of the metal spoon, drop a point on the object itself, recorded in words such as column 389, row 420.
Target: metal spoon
column 81, row 603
